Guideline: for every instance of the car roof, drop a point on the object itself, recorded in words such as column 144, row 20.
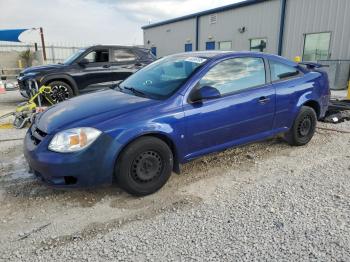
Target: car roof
column 203, row 54
column 213, row 55
column 115, row 46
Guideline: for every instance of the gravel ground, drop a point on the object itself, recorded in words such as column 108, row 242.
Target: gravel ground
column 265, row 201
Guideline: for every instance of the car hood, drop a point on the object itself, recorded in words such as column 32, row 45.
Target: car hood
column 89, row 110
column 43, row 68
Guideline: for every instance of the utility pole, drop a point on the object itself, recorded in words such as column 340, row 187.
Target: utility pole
column 43, row 42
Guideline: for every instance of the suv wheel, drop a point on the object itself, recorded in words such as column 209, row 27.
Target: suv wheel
column 144, row 166
column 60, row 91
column 303, row 127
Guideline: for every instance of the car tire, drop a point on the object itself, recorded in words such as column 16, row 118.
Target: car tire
column 144, row 166
column 303, row 128
column 60, row 91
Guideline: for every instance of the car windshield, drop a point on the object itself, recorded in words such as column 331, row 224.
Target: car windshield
column 74, row 56
column 162, row 78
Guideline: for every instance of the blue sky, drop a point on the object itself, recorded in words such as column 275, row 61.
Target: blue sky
column 85, row 22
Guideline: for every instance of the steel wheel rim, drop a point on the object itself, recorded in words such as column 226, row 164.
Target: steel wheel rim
column 59, row 93
column 146, row 167
column 305, row 126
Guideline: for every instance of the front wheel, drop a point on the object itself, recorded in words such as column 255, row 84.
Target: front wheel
column 303, row 128
column 144, row 166
column 60, row 91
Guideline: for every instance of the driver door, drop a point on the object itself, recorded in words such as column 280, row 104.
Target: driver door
column 243, row 112
column 97, row 70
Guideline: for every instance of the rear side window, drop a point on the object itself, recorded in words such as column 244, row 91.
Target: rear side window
column 98, row 56
column 280, row 71
column 123, row 55
column 235, row 74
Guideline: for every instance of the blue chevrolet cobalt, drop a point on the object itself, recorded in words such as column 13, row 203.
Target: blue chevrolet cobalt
column 176, row 109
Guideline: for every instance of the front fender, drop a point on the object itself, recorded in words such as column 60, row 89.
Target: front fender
column 126, row 136
column 123, row 137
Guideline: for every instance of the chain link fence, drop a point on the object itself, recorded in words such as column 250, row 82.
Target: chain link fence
column 10, row 54
column 55, row 53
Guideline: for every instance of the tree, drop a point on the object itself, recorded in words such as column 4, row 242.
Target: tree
column 27, row 56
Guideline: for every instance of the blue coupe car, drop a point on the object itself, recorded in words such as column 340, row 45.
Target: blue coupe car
column 174, row 110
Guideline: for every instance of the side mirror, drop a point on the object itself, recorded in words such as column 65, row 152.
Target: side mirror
column 205, row 93
column 83, row 62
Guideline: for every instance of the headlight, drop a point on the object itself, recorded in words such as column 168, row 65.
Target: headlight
column 75, row 139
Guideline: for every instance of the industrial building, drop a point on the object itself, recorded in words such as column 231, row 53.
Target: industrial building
column 312, row 29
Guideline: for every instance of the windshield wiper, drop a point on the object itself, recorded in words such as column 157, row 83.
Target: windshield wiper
column 135, row 91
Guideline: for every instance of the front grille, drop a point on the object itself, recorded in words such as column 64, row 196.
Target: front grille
column 21, row 85
column 36, row 135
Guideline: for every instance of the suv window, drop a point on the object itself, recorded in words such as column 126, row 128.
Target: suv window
column 98, row 56
column 123, row 55
column 235, row 74
column 280, row 71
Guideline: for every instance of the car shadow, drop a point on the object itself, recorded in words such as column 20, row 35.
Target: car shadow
column 241, row 158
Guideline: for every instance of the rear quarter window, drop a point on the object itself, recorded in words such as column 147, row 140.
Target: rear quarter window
column 281, row 71
column 123, row 55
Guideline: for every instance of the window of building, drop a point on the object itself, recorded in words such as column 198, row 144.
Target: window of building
column 316, row 46
column 98, row 56
column 154, row 50
column 123, row 55
column 235, row 75
column 281, row 71
column 225, row 45
column 188, row 47
column 258, row 44
column 210, row 45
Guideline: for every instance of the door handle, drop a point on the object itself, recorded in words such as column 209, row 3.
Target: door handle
column 264, row 100
column 106, row 66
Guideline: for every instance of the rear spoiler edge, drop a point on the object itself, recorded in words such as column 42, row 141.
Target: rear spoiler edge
column 311, row 65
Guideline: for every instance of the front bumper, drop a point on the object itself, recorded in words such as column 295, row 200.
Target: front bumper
column 24, row 85
column 86, row 168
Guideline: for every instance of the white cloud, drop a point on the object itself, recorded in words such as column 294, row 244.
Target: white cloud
column 85, row 22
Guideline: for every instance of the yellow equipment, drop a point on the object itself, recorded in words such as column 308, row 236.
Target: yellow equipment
column 297, row 59
column 26, row 111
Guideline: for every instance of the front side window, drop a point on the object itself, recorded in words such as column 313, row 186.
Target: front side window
column 235, row 75
column 280, row 71
column 258, row 44
column 316, row 46
column 98, row 56
column 162, row 78
column 123, row 55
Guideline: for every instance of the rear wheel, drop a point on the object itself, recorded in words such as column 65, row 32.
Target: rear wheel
column 60, row 91
column 303, row 128
column 144, row 166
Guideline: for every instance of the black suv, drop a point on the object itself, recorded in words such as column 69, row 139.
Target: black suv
column 85, row 68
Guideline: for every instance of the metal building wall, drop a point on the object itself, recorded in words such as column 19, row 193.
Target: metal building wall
column 313, row 16
column 171, row 38
column 260, row 20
